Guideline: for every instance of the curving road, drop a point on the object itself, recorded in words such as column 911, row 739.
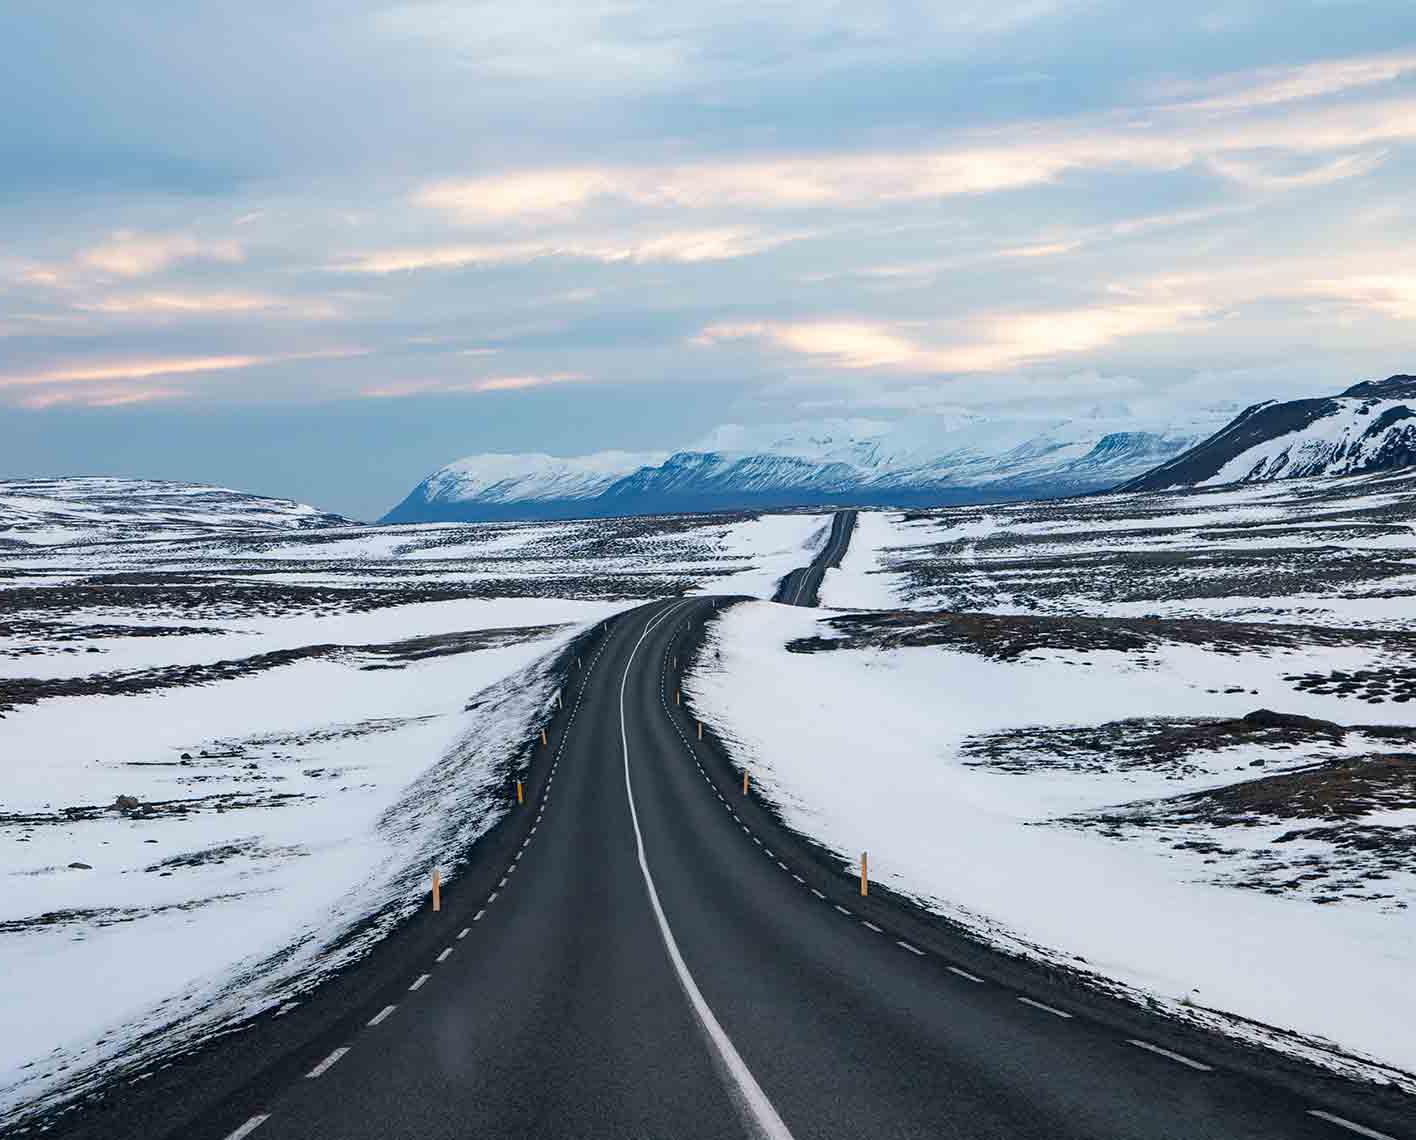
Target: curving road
column 643, row 952
column 803, row 585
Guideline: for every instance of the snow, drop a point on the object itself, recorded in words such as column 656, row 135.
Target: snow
column 861, row 749
column 775, row 544
column 863, row 580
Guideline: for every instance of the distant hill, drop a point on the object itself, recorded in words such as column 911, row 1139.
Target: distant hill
column 830, row 463
column 1369, row 427
column 51, row 512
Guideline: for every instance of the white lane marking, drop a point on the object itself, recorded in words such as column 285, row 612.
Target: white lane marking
column 249, row 1127
column 533, row 830
column 323, row 1067
column 770, row 853
column 478, row 916
column 911, row 949
column 418, row 982
column 797, row 877
column 1181, row 1058
column 445, row 955
column 383, row 1013
column 463, row 933
column 781, row 865
column 1044, row 1008
column 817, row 893
column 491, row 898
column 872, row 926
column 755, row 1100
column 964, row 974
column 502, row 883
column 1341, row 1122
column 840, row 908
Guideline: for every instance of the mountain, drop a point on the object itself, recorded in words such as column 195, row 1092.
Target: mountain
column 52, row 512
column 1369, row 427
column 934, row 459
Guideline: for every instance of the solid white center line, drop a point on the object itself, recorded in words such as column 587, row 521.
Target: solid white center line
column 320, row 1069
column 445, row 955
column 418, row 982
column 753, row 1098
column 1146, row 1045
column 1349, row 1125
column 964, row 974
column 249, row 1127
column 1044, row 1008
column 911, row 949
column 872, row 926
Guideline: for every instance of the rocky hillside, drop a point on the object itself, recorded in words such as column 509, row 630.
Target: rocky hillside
column 1369, row 427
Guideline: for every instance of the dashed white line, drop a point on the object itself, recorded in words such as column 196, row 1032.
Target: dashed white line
column 478, row 916
column 757, row 841
column 1044, row 1008
column 817, row 893
column 381, row 1015
column 463, row 933
column 798, row 878
column 911, row 949
column 1341, row 1122
column 249, row 1127
column 418, row 981
column 781, row 865
column 502, row 883
column 1178, row 1057
column 872, row 926
column 840, row 908
column 323, row 1067
column 493, row 896
column 964, row 974
column 445, row 955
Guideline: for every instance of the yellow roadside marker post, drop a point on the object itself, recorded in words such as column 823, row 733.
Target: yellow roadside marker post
column 864, row 873
column 437, row 890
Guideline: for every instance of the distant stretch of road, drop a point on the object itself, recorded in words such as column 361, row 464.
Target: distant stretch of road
column 643, row 952
column 802, row 586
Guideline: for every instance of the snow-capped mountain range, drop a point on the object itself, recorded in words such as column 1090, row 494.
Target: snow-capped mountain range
column 1369, row 427
column 51, row 512
column 928, row 460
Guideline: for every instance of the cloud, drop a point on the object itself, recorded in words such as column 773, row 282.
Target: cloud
column 1390, row 294
column 678, row 247
column 131, row 254
column 174, row 303
column 1010, row 339
column 1273, row 86
column 401, row 389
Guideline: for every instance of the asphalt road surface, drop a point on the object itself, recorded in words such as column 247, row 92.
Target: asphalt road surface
column 803, row 585
column 643, row 953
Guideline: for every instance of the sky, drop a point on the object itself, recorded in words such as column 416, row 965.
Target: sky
column 318, row 248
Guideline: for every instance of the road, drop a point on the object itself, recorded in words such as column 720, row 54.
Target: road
column 802, row 586
column 643, row 952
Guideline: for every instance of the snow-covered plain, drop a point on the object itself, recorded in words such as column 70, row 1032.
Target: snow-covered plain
column 1040, row 728
column 308, row 716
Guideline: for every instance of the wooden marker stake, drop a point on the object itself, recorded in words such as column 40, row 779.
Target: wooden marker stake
column 864, row 873
column 437, row 890
column 744, row 781
column 544, row 742
column 519, row 799
column 700, row 730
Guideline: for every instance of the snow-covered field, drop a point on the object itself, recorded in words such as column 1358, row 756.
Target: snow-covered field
column 233, row 749
column 1054, row 743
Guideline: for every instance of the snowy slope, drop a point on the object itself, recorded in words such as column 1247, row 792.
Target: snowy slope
column 929, row 459
column 46, row 512
column 1369, row 427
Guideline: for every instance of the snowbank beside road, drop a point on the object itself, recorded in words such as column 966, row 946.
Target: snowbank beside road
column 863, row 750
